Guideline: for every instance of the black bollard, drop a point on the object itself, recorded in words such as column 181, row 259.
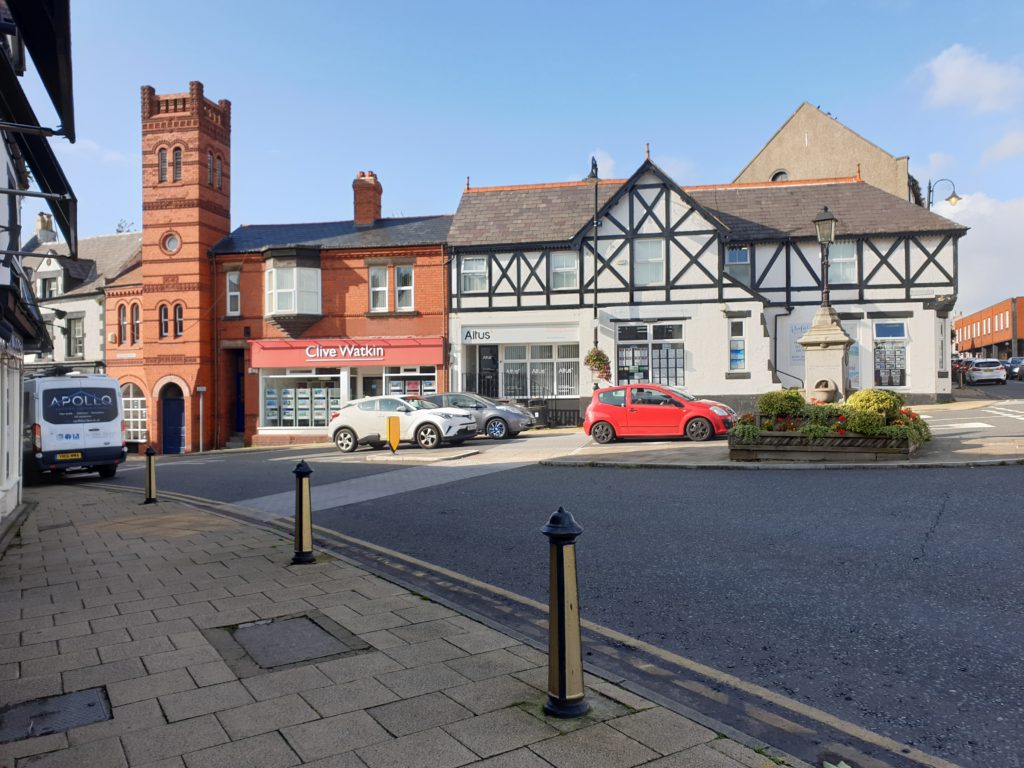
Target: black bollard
column 303, row 516
column 565, row 655
column 150, row 476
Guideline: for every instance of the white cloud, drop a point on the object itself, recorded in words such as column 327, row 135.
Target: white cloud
column 605, row 164
column 962, row 77
column 989, row 269
column 1011, row 145
column 88, row 149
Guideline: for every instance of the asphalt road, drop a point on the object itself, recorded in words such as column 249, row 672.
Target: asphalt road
column 891, row 599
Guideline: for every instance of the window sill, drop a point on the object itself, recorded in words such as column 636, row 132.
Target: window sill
column 400, row 313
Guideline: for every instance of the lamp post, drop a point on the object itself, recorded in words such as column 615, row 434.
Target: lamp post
column 592, row 179
column 825, row 224
column 953, row 199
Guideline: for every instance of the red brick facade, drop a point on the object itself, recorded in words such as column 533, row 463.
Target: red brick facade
column 186, row 177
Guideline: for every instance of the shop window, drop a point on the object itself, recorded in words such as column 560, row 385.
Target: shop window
column 176, row 160
column 474, row 274
column 737, row 264
column 134, row 413
column 737, row 346
column 648, row 262
column 842, row 263
column 539, row 370
column 162, row 165
column 122, row 324
column 403, row 289
column 179, row 319
column 305, row 400
column 136, row 324
column 163, row 321
column 652, row 353
column 564, row 271
column 378, row 289
column 292, row 290
column 234, row 296
column 890, row 353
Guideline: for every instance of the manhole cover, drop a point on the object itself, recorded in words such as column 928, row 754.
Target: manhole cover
column 54, row 714
column 287, row 642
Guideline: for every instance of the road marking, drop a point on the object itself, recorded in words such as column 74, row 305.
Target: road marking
column 963, row 425
column 805, row 710
column 1006, row 413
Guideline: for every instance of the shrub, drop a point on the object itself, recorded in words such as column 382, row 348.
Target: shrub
column 824, row 415
column 816, row 430
column 881, row 401
column 867, row 423
column 746, row 433
column 783, row 402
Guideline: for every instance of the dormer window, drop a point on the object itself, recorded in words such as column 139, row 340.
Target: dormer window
column 162, row 165
column 177, row 164
column 47, row 287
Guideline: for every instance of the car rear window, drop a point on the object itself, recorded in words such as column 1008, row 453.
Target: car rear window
column 613, row 397
column 988, row 364
column 79, row 405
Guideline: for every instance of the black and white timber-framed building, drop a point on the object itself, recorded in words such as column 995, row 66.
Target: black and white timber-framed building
column 709, row 288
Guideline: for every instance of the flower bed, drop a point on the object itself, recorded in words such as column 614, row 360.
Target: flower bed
column 872, row 425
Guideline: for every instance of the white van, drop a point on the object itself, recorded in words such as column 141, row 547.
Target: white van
column 73, row 422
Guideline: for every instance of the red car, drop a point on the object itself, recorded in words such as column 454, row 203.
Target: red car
column 654, row 410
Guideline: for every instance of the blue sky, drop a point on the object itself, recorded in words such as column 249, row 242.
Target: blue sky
column 426, row 94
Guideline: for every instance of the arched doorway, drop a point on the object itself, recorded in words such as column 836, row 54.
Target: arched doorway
column 172, row 419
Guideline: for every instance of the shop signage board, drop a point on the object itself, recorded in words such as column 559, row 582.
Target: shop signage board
column 519, row 334
column 336, row 353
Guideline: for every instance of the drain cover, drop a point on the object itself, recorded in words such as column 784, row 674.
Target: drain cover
column 53, row 714
column 287, row 642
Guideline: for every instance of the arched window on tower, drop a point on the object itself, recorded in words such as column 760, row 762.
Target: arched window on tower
column 209, row 168
column 136, row 324
column 179, row 319
column 122, row 324
column 162, row 164
column 177, row 164
column 219, row 178
column 163, row 321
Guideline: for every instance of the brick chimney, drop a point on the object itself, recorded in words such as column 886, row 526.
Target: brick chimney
column 44, row 228
column 366, row 192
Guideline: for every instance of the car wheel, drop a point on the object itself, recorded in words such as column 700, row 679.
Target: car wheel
column 345, row 439
column 496, row 429
column 602, row 432
column 428, row 436
column 699, row 429
column 107, row 471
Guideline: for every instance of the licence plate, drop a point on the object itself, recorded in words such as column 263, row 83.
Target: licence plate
column 66, row 456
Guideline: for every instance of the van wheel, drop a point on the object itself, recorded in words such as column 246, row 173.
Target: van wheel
column 107, row 471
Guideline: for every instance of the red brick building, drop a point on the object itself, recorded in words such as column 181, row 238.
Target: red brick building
column 996, row 331
column 254, row 336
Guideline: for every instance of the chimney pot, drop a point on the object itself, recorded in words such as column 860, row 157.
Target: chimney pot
column 44, row 228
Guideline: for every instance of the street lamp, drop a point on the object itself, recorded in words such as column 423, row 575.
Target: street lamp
column 825, row 224
column 953, row 199
column 592, row 179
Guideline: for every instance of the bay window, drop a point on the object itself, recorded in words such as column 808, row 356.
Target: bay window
column 292, row 291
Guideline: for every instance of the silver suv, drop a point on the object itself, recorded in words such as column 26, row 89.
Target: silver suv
column 497, row 420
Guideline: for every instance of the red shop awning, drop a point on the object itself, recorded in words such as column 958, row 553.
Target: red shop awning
column 337, row 353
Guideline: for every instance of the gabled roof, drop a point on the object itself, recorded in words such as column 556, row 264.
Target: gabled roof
column 383, row 233
column 556, row 213
column 98, row 259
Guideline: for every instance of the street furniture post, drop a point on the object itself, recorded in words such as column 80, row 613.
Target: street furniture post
column 303, row 516
column 150, row 476
column 565, row 657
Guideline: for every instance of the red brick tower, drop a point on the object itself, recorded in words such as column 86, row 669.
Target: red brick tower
column 186, row 194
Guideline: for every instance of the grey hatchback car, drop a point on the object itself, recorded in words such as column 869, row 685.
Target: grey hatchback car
column 494, row 419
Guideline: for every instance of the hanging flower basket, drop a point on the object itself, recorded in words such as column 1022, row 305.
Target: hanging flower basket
column 598, row 362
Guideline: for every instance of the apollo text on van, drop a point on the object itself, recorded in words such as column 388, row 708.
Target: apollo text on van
column 73, row 423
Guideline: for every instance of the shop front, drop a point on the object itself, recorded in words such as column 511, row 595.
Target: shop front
column 303, row 381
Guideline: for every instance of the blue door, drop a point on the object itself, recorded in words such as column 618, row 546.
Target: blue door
column 173, row 426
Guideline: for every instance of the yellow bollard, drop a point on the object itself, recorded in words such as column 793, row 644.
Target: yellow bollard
column 565, row 653
column 150, row 476
column 303, row 516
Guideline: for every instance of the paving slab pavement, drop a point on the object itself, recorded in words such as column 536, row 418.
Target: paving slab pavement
column 438, row 689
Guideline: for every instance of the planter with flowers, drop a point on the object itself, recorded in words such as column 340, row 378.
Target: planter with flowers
column 873, row 424
column 598, row 362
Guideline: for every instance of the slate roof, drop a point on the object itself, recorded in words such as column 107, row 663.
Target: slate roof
column 555, row 213
column 98, row 258
column 384, row 233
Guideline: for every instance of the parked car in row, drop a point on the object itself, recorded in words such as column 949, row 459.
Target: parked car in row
column 365, row 422
column 653, row 410
column 1013, row 368
column 494, row 419
column 986, row 370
